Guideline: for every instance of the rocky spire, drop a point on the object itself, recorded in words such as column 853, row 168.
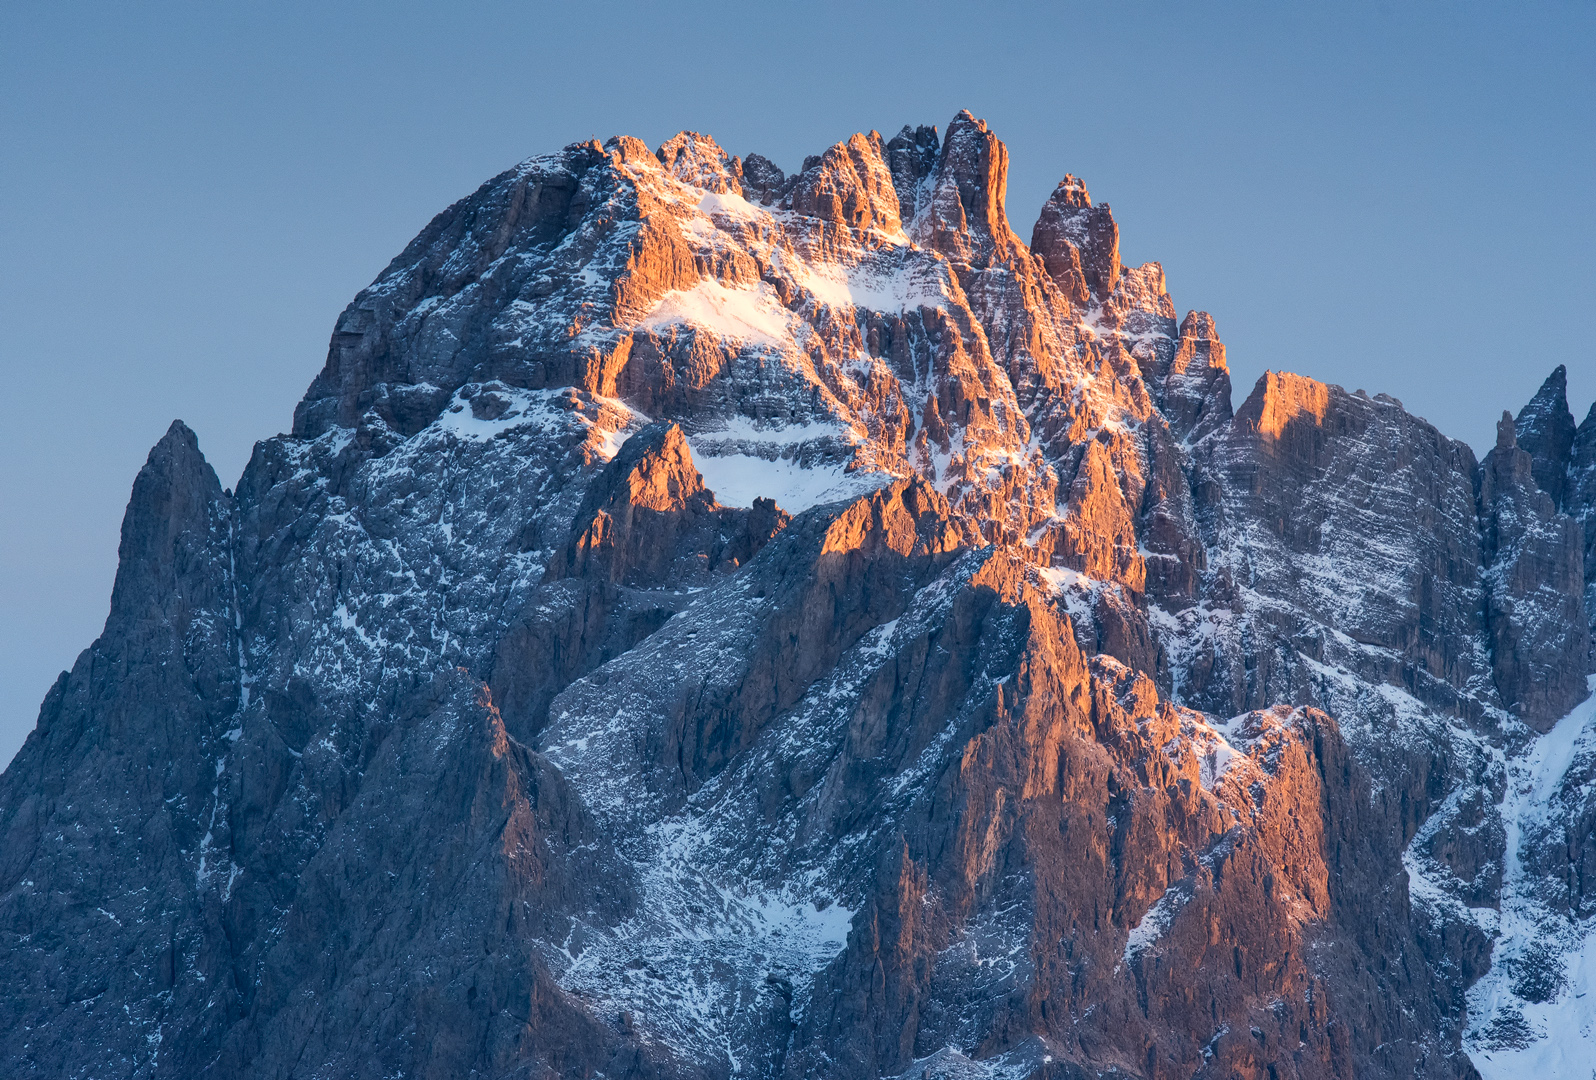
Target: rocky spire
column 1579, row 497
column 1078, row 242
column 175, row 522
column 1195, row 395
column 966, row 219
column 912, row 157
column 1545, row 430
column 763, row 180
column 851, row 185
column 698, row 160
column 132, row 734
column 1535, row 585
column 649, row 520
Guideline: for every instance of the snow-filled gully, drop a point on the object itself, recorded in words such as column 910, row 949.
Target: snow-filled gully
column 1510, row 1037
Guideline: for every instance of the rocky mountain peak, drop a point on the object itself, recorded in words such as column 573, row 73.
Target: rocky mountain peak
column 1545, row 429
column 707, row 622
column 852, row 185
column 965, row 216
column 176, row 514
column 1072, row 193
column 1078, row 243
column 1193, row 390
column 1539, row 647
column 1282, row 404
column 912, row 156
column 629, row 152
column 699, row 161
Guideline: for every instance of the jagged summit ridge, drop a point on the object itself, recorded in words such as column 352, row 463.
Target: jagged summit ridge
column 807, row 299
column 707, row 622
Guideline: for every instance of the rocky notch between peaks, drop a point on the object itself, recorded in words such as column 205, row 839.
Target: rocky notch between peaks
column 708, row 622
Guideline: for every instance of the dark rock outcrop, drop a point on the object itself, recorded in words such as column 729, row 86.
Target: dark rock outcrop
column 1535, row 577
column 110, row 835
column 1544, row 429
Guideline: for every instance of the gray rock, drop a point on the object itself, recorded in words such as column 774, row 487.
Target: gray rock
column 1535, row 604
column 709, row 623
column 1544, row 429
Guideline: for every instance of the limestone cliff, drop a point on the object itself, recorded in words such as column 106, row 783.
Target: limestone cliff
column 711, row 622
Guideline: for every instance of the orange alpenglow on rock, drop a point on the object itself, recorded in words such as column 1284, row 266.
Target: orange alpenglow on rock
column 712, row 621
column 1285, row 399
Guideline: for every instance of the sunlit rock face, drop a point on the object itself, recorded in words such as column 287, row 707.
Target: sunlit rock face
column 711, row 622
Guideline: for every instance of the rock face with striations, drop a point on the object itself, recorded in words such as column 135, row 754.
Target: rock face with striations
column 712, row 623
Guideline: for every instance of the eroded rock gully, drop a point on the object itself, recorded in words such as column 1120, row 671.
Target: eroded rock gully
column 707, row 622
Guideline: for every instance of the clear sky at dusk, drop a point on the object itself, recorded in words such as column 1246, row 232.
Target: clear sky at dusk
column 1396, row 197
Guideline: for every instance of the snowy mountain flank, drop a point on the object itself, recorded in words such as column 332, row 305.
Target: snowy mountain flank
column 712, row 623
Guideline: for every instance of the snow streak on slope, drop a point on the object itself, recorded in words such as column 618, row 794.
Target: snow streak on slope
column 753, row 315
column 739, row 479
column 1534, row 1014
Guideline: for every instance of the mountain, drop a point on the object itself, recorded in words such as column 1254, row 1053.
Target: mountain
column 711, row 623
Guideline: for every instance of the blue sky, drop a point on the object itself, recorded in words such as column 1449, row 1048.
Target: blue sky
column 1396, row 197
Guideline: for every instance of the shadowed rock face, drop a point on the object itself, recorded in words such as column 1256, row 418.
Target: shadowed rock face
column 1545, row 430
column 712, row 622
column 1534, row 602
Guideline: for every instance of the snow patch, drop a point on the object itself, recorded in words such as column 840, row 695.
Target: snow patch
column 1510, row 1037
column 1074, row 588
column 609, row 421
column 730, row 205
column 741, row 429
column 753, row 315
column 669, row 962
column 1152, row 925
column 739, row 479
column 873, row 289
